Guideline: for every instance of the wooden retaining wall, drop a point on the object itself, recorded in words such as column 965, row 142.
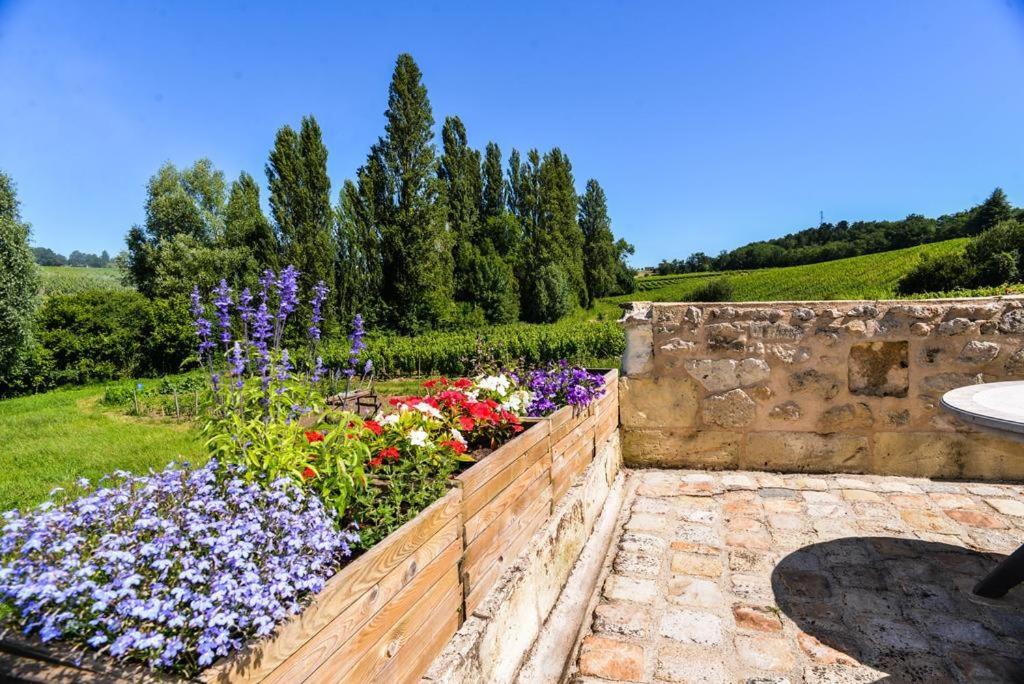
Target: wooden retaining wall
column 389, row 613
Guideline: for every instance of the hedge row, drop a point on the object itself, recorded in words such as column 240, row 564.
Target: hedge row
column 462, row 352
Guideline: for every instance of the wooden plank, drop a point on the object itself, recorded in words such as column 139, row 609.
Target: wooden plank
column 491, row 575
column 478, row 523
column 383, row 639
column 491, row 542
column 29, row 659
column 432, row 647
column 472, row 503
column 320, row 647
column 568, row 444
column 582, row 418
column 480, row 473
column 568, row 468
column 260, row 658
column 606, row 426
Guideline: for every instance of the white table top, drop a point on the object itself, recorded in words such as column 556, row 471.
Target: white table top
column 998, row 405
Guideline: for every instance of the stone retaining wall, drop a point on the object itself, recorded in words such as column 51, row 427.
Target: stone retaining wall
column 845, row 387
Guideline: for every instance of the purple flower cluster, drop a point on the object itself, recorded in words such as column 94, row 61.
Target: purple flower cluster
column 357, row 345
column 562, row 385
column 175, row 569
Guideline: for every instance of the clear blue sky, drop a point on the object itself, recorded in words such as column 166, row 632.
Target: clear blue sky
column 709, row 124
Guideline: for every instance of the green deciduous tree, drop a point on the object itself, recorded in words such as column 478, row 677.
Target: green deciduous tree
column 459, row 169
column 415, row 243
column 358, row 269
column 247, row 228
column 559, row 228
column 300, row 202
column 493, row 199
column 19, row 283
column 183, row 204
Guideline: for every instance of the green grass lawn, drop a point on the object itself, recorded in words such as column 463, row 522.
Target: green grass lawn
column 51, row 439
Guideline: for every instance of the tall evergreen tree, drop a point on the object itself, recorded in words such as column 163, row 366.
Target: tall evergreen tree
column 993, row 210
column 459, row 168
column 600, row 255
column 247, row 227
column 300, row 202
column 415, row 242
column 558, row 224
column 19, row 283
column 493, row 200
column 358, row 269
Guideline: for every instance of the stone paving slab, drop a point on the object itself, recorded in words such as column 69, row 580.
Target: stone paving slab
column 766, row 578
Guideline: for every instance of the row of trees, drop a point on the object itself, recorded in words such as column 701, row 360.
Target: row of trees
column 417, row 240
column 844, row 239
column 19, row 283
column 45, row 256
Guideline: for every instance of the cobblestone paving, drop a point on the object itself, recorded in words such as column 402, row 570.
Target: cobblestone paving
column 757, row 577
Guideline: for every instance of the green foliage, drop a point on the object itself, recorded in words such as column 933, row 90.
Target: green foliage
column 47, row 257
column 358, row 276
column 300, row 202
column 493, row 200
column 102, row 335
column 182, row 397
column 552, row 294
column 994, row 257
column 600, row 253
column 247, row 229
column 829, row 242
column 184, row 221
column 456, row 353
column 19, row 284
column 410, row 209
column 717, row 290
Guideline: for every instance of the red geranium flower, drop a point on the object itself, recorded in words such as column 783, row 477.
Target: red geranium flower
column 480, row 410
column 463, row 383
column 314, row 436
column 308, row 473
column 466, row 423
column 373, row 426
column 386, row 454
column 455, row 445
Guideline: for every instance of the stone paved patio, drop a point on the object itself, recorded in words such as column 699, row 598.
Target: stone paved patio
column 757, row 577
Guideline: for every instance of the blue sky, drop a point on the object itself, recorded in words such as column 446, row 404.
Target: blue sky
column 709, row 124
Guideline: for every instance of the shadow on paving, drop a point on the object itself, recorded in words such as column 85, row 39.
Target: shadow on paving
column 904, row 607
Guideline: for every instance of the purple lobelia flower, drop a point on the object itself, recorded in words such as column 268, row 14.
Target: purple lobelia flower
column 174, row 569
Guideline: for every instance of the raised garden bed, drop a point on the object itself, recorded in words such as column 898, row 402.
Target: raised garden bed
column 387, row 614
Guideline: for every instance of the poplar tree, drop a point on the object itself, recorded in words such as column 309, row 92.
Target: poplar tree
column 600, row 254
column 415, row 243
column 493, row 200
column 358, row 268
column 559, row 228
column 19, row 283
column 247, row 228
column 459, row 169
column 300, row 202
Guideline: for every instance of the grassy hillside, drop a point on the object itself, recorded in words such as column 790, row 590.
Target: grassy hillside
column 872, row 276
column 71, row 279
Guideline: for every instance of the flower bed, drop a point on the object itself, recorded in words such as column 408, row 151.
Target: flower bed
column 198, row 562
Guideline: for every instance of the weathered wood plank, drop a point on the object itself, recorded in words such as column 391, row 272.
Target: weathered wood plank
column 369, row 651
column 320, row 647
column 472, row 503
column 259, row 659
column 478, row 523
column 490, row 576
column 492, row 541
column 607, row 424
column 481, row 473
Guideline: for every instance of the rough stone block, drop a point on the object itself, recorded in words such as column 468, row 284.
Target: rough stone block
column 734, row 409
column 846, row 417
column 935, row 454
column 659, row 402
column 879, row 369
column 680, row 449
column 719, row 375
column 821, row 385
column 806, row 452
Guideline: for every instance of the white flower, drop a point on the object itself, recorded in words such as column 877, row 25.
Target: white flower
column 417, row 437
column 389, row 419
column 517, row 401
column 426, row 408
column 499, row 384
column 457, row 436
